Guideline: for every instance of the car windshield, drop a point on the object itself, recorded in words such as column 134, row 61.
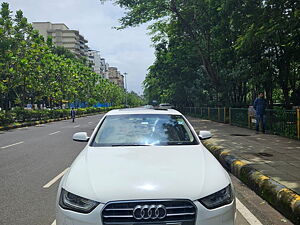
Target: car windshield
column 144, row 129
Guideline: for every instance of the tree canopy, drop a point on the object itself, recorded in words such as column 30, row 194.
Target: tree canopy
column 217, row 52
column 34, row 71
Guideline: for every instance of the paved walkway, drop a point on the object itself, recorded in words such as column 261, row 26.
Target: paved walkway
column 274, row 156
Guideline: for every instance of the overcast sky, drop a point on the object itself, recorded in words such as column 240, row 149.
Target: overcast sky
column 129, row 50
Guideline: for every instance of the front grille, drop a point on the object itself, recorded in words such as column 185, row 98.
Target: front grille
column 177, row 212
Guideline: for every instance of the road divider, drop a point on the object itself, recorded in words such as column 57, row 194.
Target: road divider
column 22, row 128
column 7, row 146
column 51, row 182
column 43, row 121
column 279, row 196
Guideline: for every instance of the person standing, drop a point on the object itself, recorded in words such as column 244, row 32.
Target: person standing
column 260, row 105
column 73, row 114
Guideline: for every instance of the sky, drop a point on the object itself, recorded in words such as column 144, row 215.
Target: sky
column 129, row 50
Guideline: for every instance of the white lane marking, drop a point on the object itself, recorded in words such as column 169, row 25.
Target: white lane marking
column 90, row 122
column 55, row 179
column 247, row 214
column 54, row 222
column 55, row 132
column 77, row 126
column 7, row 146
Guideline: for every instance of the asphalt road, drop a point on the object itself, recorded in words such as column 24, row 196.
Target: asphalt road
column 32, row 160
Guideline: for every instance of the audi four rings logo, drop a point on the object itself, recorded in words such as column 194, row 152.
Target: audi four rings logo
column 147, row 212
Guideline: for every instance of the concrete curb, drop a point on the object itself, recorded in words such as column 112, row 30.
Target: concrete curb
column 279, row 196
column 33, row 123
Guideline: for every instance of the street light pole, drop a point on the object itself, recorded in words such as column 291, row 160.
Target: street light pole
column 125, row 74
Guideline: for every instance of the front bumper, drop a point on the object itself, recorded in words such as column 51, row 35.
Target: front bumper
column 224, row 215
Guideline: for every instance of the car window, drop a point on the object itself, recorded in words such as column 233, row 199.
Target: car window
column 143, row 129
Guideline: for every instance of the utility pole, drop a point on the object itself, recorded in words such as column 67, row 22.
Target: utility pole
column 125, row 75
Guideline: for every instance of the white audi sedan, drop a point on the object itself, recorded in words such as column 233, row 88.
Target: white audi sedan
column 145, row 167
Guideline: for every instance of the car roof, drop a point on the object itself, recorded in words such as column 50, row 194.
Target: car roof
column 143, row 111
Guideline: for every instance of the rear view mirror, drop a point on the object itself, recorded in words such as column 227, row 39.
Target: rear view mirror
column 81, row 136
column 204, row 135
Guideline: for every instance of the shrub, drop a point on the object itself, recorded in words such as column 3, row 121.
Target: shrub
column 6, row 118
column 21, row 115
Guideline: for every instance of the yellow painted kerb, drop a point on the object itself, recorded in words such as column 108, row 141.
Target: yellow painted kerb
column 239, row 163
column 263, row 177
column 215, row 147
column 295, row 196
column 224, row 153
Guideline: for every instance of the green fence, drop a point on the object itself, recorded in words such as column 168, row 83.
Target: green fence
column 239, row 117
column 280, row 122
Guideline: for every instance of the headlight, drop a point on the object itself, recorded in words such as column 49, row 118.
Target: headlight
column 76, row 203
column 218, row 199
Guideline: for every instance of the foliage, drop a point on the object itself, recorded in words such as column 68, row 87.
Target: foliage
column 33, row 71
column 220, row 52
column 6, row 118
column 134, row 100
column 23, row 115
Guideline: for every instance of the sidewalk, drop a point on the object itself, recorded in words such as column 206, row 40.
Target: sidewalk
column 275, row 157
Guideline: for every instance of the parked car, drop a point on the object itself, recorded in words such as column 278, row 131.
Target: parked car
column 148, row 106
column 165, row 106
column 145, row 166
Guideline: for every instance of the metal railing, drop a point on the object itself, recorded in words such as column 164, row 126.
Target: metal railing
column 239, row 117
column 280, row 122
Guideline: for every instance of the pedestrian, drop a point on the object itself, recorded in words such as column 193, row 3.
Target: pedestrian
column 73, row 113
column 260, row 105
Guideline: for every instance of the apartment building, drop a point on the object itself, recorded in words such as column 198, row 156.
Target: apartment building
column 63, row 36
column 76, row 43
column 103, row 66
column 121, row 81
column 95, row 61
column 106, row 73
column 115, row 76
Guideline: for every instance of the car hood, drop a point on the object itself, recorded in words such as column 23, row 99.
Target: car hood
column 152, row 172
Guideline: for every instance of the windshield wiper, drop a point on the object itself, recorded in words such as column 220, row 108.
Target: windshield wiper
column 180, row 143
column 116, row 145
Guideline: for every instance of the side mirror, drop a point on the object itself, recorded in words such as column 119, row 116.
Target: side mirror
column 81, row 136
column 204, row 135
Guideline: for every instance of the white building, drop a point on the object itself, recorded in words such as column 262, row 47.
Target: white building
column 106, row 73
column 103, row 66
column 63, row 36
column 95, row 60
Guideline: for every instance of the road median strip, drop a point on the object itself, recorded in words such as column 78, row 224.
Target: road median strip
column 279, row 196
column 38, row 122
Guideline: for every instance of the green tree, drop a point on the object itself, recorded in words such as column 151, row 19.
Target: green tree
column 34, row 71
column 219, row 52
